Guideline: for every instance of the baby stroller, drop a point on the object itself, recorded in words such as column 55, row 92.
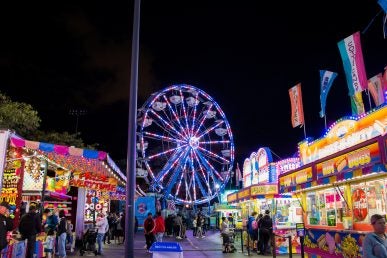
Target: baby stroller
column 89, row 241
column 228, row 242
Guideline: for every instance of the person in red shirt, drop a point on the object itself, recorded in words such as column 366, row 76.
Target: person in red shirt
column 159, row 227
column 149, row 226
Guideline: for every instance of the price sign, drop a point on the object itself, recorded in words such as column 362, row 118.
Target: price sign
column 300, row 229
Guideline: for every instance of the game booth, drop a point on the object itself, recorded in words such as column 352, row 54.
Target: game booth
column 55, row 177
column 260, row 193
column 341, row 184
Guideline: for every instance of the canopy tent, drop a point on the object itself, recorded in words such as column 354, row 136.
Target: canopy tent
column 74, row 159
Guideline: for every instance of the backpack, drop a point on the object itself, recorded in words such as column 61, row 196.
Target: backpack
column 3, row 233
column 254, row 224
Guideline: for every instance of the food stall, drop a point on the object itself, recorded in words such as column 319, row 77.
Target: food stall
column 261, row 193
column 341, row 184
column 49, row 171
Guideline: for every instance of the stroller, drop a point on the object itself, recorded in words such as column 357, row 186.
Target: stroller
column 228, row 242
column 89, row 241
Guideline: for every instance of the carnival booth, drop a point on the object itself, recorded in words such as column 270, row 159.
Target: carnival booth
column 260, row 193
column 342, row 183
column 55, row 177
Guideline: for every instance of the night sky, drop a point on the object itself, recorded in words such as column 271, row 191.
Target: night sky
column 245, row 54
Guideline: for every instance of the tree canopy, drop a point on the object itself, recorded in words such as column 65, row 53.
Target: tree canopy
column 25, row 121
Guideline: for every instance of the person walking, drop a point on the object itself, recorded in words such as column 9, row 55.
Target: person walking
column 375, row 243
column 6, row 224
column 225, row 232
column 103, row 226
column 29, row 227
column 159, row 227
column 199, row 224
column 194, row 225
column 149, row 226
column 62, row 234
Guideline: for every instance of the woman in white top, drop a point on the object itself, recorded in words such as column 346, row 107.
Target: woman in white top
column 225, row 231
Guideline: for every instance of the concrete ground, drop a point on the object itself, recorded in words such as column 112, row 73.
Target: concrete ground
column 210, row 246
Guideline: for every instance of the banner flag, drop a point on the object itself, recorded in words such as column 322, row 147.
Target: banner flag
column 238, row 175
column 375, row 86
column 352, row 57
column 357, row 104
column 326, row 80
column 296, row 104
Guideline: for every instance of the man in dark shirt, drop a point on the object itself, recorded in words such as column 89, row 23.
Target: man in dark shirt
column 29, row 227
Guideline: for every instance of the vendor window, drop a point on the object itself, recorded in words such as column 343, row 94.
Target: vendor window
column 325, row 207
column 368, row 198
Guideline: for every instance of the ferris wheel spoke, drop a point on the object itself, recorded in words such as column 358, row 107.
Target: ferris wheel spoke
column 203, row 118
column 184, row 112
column 210, row 129
column 214, row 142
column 210, row 169
column 166, row 129
column 168, row 125
column 175, row 115
column 194, row 114
column 176, row 173
column 202, row 173
column 202, row 190
column 181, row 177
column 170, row 164
column 213, row 155
column 192, row 181
column 167, row 151
column 162, row 137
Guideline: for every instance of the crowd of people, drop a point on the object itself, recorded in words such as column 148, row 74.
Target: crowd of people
column 58, row 230
column 260, row 229
column 174, row 225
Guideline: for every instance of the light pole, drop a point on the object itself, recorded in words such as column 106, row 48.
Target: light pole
column 77, row 113
column 132, row 126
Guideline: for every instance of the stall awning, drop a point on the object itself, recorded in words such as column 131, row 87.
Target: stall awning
column 74, row 159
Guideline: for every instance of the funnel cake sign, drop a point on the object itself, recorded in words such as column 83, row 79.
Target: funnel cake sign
column 94, row 182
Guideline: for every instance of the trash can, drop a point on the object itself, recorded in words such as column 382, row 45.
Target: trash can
column 166, row 250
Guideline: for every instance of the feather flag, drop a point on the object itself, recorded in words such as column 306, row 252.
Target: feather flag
column 238, row 176
column 326, row 80
column 357, row 104
column 296, row 104
column 352, row 57
column 375, row 86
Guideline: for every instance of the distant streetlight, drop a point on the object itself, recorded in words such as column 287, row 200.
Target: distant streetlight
column 77, row 113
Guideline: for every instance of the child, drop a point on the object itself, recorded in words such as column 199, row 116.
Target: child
column 49, row 243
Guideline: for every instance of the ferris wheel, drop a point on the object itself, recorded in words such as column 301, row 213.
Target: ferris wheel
column 186, row 144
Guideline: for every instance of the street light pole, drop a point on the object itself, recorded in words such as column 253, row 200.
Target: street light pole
column 132, row 126
column 77, row 113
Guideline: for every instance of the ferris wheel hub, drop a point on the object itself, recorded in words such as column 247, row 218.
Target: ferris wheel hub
column 194, row 142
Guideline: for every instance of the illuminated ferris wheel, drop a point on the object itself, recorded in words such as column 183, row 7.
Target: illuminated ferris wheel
column 186, row 144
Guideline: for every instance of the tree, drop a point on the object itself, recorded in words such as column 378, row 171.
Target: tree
column 22, row 118
column 18, row 116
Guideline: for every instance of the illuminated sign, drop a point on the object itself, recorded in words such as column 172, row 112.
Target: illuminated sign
column 263, row 189
column 287, row 165
column 246, row 173
column 223, row 196
column 345, row 134
column 263, row 175
column 232, row 197
column 349, row 161
column 298, row 177
column 244, row 193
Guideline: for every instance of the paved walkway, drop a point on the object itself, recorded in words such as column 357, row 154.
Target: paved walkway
column 210, row 246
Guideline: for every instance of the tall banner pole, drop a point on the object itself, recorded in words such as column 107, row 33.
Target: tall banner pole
column 325, row 121
column 132, row 126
